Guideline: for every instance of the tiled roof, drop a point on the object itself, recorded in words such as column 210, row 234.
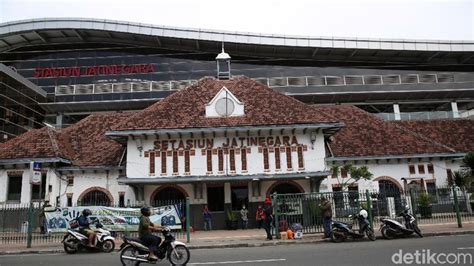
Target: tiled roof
column 186, row 108
column 35, row 143
column 455, row 133
column 83, row 143
column 365, row 135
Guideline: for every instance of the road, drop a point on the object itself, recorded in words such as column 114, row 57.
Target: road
column 379, row 252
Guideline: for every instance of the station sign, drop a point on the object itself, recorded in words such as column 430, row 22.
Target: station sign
column 96, row 70
column 35, row 173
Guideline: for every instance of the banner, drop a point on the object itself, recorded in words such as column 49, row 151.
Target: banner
column 113, row 219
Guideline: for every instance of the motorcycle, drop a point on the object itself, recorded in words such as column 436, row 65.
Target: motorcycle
column 134, row 251
column 341, row 231
column 74, row 241
column 391, row 228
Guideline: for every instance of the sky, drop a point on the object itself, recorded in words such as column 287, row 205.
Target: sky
column 400, row 19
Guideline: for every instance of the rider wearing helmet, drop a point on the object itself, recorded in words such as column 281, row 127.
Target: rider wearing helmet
column 145, row 230
column 84, row 226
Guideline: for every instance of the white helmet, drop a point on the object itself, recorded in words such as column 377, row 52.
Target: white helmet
column 364, row 214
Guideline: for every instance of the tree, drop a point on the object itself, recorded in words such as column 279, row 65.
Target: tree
column 355, row 174
column 464, row 178
column 468, row 161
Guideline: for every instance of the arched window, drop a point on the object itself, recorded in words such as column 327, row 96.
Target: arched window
column 95, row 198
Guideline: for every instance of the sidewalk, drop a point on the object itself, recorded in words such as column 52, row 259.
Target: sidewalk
column 242, row 238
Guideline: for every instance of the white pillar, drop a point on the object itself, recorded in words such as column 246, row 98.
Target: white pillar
column 454, row 108
column 227, row 193
column 25, row 187
column 396, row 111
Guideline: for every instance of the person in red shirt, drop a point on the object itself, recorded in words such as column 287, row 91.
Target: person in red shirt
column 268, row 217
column 259, row 216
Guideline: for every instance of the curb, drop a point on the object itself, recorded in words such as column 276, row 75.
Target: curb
column 236, row 245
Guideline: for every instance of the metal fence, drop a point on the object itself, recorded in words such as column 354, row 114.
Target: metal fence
column 22, row 224
column 437, row 205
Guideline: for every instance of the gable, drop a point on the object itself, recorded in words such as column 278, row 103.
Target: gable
column 224, row 104
column 187, row 108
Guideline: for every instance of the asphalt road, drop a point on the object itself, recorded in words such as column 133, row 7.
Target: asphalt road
column 366, row 252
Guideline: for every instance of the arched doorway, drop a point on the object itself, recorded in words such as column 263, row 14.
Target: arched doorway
column 389, row 189
column 167, row 195
column 95, row 197
column 288, row 187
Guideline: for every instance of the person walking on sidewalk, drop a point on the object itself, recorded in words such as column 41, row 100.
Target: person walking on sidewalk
column 259, row 216
column 42, row 218
column 244, row 216
column 268, row 217
column 326, row 211
column 206, row 215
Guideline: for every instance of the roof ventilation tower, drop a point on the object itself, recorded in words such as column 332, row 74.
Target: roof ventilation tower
column 223, row 64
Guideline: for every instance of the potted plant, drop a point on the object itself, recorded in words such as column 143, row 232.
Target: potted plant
column 424, row 205
column 231, row 221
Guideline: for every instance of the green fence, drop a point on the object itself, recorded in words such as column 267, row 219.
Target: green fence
column 22, row 224
column 434, row 206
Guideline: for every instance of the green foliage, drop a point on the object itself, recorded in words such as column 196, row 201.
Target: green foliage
column 335, row 170
column 364, row 206
column 462, row 178
column 424, row 199
column 356, row 173
column 468, row 160
column 231, row 216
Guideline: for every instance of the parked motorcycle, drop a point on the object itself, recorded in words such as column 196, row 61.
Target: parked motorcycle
column 341, row 231
column 391, row 228
column 74, row 241
column 134, row 251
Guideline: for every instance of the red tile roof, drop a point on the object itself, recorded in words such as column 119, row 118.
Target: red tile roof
column 35, row 143
column 83, row 143
column 366, row 135
column 455, row 133
column 186, row 108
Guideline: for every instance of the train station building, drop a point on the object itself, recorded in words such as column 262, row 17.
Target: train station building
column 137, row 114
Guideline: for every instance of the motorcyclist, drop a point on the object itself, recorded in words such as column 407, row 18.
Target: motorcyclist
column 363, row 215
column 84, row 227
column 145, row 230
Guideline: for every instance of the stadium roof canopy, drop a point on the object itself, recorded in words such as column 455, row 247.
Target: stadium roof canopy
column 51, row 31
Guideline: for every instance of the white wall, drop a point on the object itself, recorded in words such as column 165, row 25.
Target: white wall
column 139, row 166
column 83, row 181
column 3, row 185
column 397, row 171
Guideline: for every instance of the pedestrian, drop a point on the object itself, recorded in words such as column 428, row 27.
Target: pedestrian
column 42, row 218
column 268, row 217
column 207, row 218
column 326, row 211
column 244, row 213
column 259, row 216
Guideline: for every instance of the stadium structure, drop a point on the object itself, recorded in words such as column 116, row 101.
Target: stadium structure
column 59, row 70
